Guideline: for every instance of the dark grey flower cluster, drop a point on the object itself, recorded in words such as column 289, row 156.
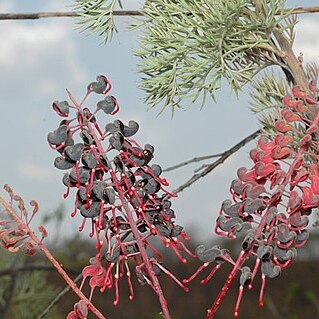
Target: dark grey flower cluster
column 117, row 189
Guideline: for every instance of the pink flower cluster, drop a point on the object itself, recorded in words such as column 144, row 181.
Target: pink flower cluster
column 117, row 189
column 272, row 200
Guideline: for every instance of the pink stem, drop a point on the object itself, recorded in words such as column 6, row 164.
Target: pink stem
column 54, row 262
column 241, row 259
column 135, row 231
column 244, row 254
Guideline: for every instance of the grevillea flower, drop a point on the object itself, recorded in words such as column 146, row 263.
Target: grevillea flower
column 271, row 201
column 118, row 191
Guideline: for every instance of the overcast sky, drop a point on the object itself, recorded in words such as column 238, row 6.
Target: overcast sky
column 39, row 59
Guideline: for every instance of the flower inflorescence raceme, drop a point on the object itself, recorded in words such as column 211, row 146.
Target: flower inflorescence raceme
column 119, row 192
column 271, row 201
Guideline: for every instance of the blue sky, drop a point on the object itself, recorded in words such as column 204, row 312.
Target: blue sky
column 39, row 59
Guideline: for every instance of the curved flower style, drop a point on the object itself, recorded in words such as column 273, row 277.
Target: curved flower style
column 272, row 200
column 119, row 192
column 14, row 225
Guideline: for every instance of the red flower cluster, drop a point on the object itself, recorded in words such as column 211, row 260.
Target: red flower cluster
column 119, row 191
column 272, row 200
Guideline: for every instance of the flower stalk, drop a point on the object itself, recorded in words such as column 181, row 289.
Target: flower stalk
column 124, row 198
column 39, row 242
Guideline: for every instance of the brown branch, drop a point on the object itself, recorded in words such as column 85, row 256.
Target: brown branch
column 36, row 15
column 301, row 10
column 292, row 61
column 213, row 165
column 9, row 293
column 120, row 13
column 193, row 160
column 30, row 267
column 40, row 15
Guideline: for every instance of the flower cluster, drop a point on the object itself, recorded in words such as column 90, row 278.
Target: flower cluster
column 80, row 311
column 272, row 200
column 14, row 226
column 117, row 190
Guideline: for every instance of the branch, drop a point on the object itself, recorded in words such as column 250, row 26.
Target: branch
column 58, row 298
column 222, row 158
column 301, row 10
column 292, row 61
column 193, row 160
column 40, row 15
column 9, row 293
column 120, row 13
column 30, row 267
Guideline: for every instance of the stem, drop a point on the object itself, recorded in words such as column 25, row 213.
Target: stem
column 295, row 67
column 294, row 64
column 9, row 293
column 28, row 267
column 148, row 265
column 58, row 297
column 227, row 284
column 54, row 262
column 135, row 231
column 288, row 54
column 218, row 162
column 244, row 254
column 68, row 14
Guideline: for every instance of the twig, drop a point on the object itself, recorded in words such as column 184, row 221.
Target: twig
column 31, row 267
column 301, row 10
column 198, row 169
column 120, row 13
column 292, row 61
column 223, row 157
column 58, row 298
column 193, row 160
column 68, row 14
column 9, row 293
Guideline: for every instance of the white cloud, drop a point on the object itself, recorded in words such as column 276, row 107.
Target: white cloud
column 43, row 54
column 307, row 40
column 33, row 171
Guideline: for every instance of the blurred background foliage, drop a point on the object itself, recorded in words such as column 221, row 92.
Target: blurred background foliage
column 25, row 294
